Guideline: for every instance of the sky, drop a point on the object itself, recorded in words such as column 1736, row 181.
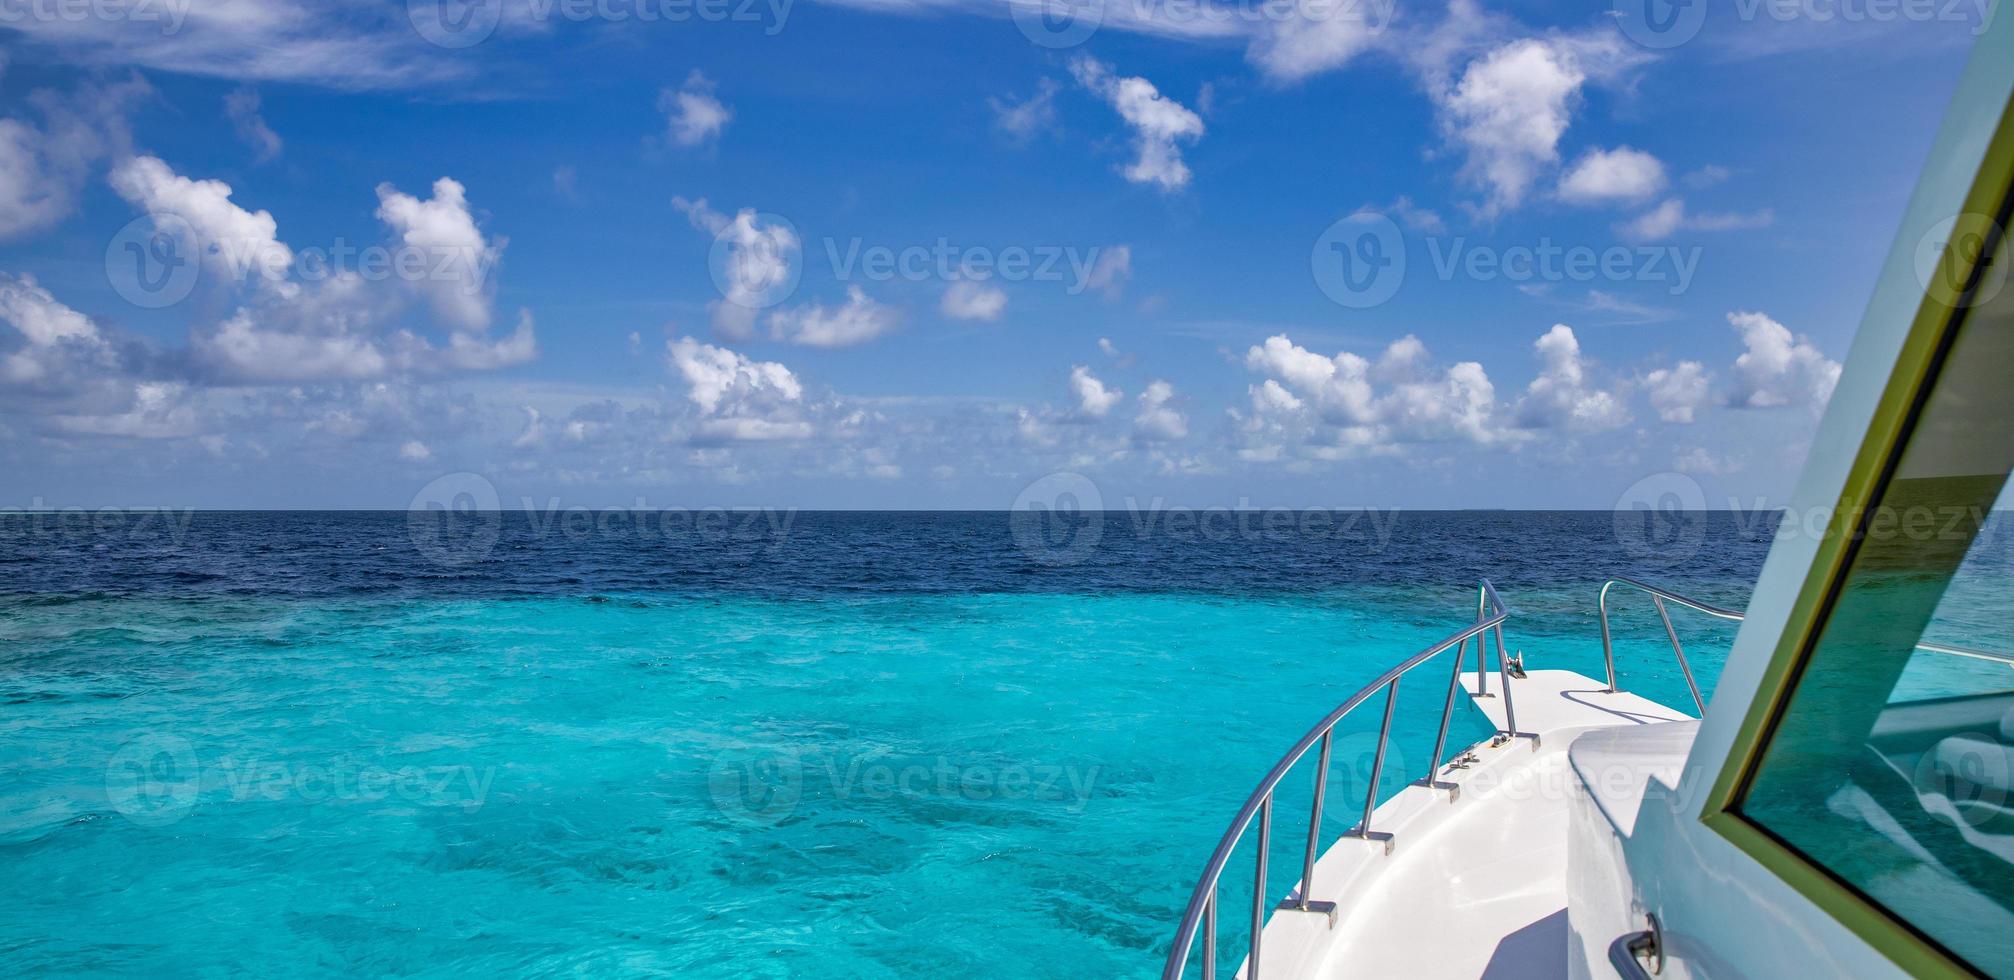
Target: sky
column 942, row 253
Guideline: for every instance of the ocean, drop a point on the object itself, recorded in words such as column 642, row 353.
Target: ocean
column 729, row 743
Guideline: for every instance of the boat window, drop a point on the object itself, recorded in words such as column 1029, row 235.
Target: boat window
column 1891, row 765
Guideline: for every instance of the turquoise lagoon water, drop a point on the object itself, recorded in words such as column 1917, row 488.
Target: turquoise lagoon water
column 882, row 745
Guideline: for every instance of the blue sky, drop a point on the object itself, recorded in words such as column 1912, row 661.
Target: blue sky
column 629, row 250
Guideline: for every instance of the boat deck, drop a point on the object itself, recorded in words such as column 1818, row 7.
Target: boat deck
column 1472, row 889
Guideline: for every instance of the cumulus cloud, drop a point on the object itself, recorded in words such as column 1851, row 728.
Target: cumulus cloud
column 737, row 398
column 1508, row 111
column 693, row 114
column 334, row 325
column 759, row 263
column 1094, row 399
column 1159, row 123
column 1561, row 396
column 1676, row 393
column 236, row 243
column 415, row 451
column 43, row 167
column 1778, row 368
column 815, row 325
column 1158, row 419
column 969, row 300
column 456, row 282
column 241, row 106
column 1336, row 407
column 1613, row 176
column 58, row 343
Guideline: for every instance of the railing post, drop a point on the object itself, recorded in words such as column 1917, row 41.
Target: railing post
column 1441, row 740
column 1377, row 769
column 1607, row 648
column 1679, row 652
column 1482, row 655
column 1259, row 888
column 1510, row 710
column 1315, row 837
column 1210, row 936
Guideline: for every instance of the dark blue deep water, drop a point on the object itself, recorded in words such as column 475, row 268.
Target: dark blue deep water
column 722, row 743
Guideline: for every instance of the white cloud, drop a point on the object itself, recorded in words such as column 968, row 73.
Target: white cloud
column 1158, row 123
column 1094, row 399
column 241, row 245
column 1158, row 420
column 1667, row 218
column 415, row 451
column 1508, row 111
column 42, row 320
column 1778, row 368
column 1342, row 406
column 61, row 347
column 1027, row 118
column 456, row 281
column 815, row 325
column 309, row 41
column 1561, row 397
column 242, row 107
column 969, row 300
column 1610, row 176
column 1676, row 393
column 329, row 328
column 42, row 168
column 1317, row 36
column 758, row 263
column 738, row 399
column 693, row 115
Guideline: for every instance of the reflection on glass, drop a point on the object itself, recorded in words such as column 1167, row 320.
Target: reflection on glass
column 1892, row 766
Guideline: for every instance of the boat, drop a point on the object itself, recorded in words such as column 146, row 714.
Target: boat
column 1841, row 803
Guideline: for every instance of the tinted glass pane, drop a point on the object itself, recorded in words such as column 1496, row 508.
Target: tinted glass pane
column 1893, row 765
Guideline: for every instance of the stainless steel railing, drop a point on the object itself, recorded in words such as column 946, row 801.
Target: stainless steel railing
column 1201, row 913
column 1659, row 597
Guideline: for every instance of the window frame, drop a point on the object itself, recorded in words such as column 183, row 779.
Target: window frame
column 1932, row 331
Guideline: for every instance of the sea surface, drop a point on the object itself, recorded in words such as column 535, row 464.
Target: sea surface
column 728, row 744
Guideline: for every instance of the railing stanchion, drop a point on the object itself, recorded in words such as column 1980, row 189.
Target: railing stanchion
column 1482, row 655
column 1607, row 648
column 1447, row 715
column 1510, row 710
column 1315, row 821
column 1378, row 760
column 1259, row 888
column 1679, row 652
column 1210, row 937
